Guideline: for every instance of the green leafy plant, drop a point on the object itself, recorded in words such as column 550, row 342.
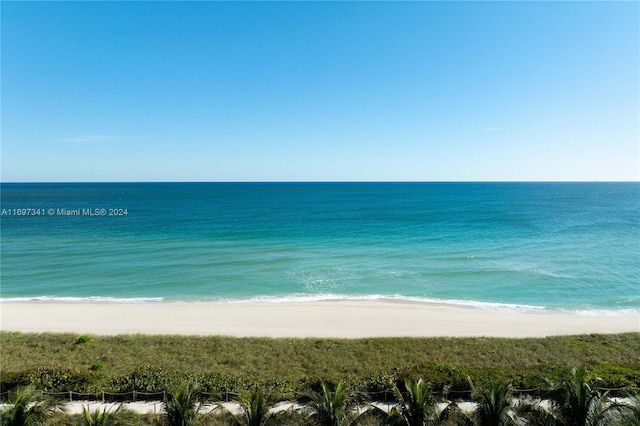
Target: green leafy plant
column 182, row 405
column 415, row 404
column 96, row 366
column 255, row 409
column 576, row 401
column 85, row 338
column 27, row 406
column 494, row 404
column 104, row 417
column 333, row 408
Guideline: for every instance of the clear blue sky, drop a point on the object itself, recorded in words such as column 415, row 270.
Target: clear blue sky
column 312, row 91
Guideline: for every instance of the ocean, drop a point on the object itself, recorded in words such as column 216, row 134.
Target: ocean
column 561, row 247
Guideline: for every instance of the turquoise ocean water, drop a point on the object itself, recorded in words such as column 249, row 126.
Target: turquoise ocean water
column 500, row 246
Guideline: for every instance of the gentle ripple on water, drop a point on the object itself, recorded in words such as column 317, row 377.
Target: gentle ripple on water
column 573, row 247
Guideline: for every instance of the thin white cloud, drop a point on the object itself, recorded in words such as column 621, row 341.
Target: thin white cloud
column 97, row 138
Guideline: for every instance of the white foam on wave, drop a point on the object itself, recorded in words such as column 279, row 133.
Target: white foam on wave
column 608, row 312
column 489, row 306
column 69, row 299
column 328, row 297
column 294, row 298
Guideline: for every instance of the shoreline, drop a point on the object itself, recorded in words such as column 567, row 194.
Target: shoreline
column 323, row 319
column 496, row 307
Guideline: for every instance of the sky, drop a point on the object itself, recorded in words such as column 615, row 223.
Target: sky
column 320, row 91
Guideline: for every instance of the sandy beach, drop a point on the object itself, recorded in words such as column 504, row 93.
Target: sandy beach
column 340, row 319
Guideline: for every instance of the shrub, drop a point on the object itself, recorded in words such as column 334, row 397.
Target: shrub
column 147, row 379
column 85, row 338
column 98, row 365
column 57, row 379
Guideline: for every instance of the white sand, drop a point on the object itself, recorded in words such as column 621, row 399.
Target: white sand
column 347, row 319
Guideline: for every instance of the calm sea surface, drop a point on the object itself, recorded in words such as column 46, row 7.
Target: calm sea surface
column 500, row 246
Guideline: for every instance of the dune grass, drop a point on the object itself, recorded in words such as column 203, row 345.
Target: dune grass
column 298, row 363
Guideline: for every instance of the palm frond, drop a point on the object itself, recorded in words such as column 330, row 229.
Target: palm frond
column 416, row 405
column 104, row 417
column 255, row 409
column 337, row 408
column 494, row 403
column 27, row 406
column 630, row 411
column 183, row 404
column 576, row 401
column 453, row 414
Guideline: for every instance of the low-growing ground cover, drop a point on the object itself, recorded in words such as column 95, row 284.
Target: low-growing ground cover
column 64, row 362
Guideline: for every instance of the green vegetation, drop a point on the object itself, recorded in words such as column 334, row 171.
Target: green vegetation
column 332, row 408
column 182, row 405
column 574, row 402
column 83, row 339
column 121, row 417
column 631, row 415
column 58, row 362
column 104, row 417
column 415, row 406
column 27, row 406
column 494, row 404
column 255, row 409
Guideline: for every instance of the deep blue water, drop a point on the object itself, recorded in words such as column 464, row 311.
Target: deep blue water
column 567, row 246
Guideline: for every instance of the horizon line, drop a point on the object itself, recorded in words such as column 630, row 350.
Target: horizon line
column 322, row 181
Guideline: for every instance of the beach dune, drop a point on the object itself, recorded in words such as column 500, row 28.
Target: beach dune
column 335, row 319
